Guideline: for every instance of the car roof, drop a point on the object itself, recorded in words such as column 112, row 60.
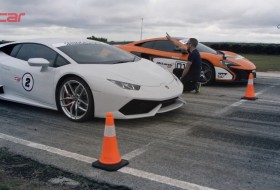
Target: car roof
column 51, row 41
column 156, row 39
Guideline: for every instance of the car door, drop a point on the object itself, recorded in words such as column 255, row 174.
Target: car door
column 30, row 83
column 164, row 53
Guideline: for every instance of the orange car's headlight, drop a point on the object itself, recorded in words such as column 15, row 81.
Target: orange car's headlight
column 229, row 63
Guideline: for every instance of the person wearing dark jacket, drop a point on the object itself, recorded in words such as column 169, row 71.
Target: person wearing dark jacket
column 190, row 75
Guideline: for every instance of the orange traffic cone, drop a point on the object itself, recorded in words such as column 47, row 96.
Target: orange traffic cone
column 110, row 159
column 250, row 92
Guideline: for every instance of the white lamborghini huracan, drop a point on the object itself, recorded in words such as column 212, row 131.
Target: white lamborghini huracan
column 85, row 78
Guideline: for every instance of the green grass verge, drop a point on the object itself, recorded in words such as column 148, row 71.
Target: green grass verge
column 265, row 62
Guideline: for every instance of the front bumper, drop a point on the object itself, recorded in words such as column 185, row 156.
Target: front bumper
column 243, row 75
column 137, row 107
column 146, row 102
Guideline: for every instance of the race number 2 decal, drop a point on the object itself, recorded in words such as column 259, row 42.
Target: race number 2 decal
column 27, row 82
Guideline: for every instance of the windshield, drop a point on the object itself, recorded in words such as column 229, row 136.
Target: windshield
column 200, row 47
column 203, row 48
column 89, row 53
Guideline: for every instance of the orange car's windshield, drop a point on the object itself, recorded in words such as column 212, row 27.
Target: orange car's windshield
column 203, row 48
column 200, row 47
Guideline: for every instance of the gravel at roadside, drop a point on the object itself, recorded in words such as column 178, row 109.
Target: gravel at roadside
column 19, row 173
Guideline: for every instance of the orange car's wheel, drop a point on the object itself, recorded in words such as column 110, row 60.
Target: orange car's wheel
column 207, row 76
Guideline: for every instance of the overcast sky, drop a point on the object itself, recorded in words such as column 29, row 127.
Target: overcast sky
column 120, row 20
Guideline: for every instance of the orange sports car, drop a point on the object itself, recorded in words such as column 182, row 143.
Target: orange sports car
column 216, row 65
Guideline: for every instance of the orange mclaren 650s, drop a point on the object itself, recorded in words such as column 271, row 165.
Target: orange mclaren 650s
column 220, row 66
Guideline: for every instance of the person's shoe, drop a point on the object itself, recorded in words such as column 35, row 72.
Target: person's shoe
column 198, row 89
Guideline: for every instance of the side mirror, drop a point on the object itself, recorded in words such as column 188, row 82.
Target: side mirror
column 39, row 62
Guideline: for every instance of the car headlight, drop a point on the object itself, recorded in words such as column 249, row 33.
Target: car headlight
column 228, row 63
column 125, row 85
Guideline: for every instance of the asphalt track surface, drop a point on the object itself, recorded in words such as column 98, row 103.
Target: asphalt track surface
column 216, row 141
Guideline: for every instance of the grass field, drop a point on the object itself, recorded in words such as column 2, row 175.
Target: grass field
column 265, row 62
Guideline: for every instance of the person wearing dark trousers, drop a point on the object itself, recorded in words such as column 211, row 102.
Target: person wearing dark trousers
column 190, row 75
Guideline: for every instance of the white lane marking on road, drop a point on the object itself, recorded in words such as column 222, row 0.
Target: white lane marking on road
column 268, row 77
column 226, row 109
column 126, row 170
column 264, row 90
column 48, row 148
column 240, row 102
column 270, row 101
column 163, row 179
column 138, row 151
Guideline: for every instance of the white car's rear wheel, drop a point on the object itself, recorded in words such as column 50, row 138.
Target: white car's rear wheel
column 75, row 99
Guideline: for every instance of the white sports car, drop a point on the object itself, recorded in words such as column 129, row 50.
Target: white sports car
column 85, row 78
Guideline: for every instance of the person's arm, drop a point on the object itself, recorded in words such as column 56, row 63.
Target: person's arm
column 176, row 42
column 186, row 70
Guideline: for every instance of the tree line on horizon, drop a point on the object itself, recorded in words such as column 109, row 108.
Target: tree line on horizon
column 246, row 48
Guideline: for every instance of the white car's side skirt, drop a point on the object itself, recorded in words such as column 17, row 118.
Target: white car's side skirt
column 13, row 98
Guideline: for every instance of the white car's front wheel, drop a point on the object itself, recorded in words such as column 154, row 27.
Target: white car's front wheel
column 75, row 99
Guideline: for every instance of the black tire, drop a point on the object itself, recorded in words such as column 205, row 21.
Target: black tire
column 74, row 98
column 207, row 76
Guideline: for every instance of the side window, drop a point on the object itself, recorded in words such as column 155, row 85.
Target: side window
column 60, row 61
column 146, row 44
column 28, row 51
column 15, row 50
column 164, row 45
column 11, row 49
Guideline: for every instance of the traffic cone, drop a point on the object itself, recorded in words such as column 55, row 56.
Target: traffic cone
column 250, row 92
column 110, row 159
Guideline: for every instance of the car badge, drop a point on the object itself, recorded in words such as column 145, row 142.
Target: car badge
column 17, row 79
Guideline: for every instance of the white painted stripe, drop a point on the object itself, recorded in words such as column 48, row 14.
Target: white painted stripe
column 48, row 148
column 163, row 179
column 239, row 103
column 264, row 90
column 109, row 131
column 126, row 170
column 226, row 109
column 270, row 101
column 137, row 152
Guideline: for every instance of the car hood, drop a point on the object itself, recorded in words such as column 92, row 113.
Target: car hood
column 142, row 72
column 242, row 61
column 232, row 55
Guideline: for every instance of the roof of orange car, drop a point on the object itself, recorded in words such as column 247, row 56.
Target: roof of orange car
column 152, row 39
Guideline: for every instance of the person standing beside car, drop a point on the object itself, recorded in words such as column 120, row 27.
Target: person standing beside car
column 190, row 75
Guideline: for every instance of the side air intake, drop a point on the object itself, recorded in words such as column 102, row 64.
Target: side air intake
column 1, row 89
